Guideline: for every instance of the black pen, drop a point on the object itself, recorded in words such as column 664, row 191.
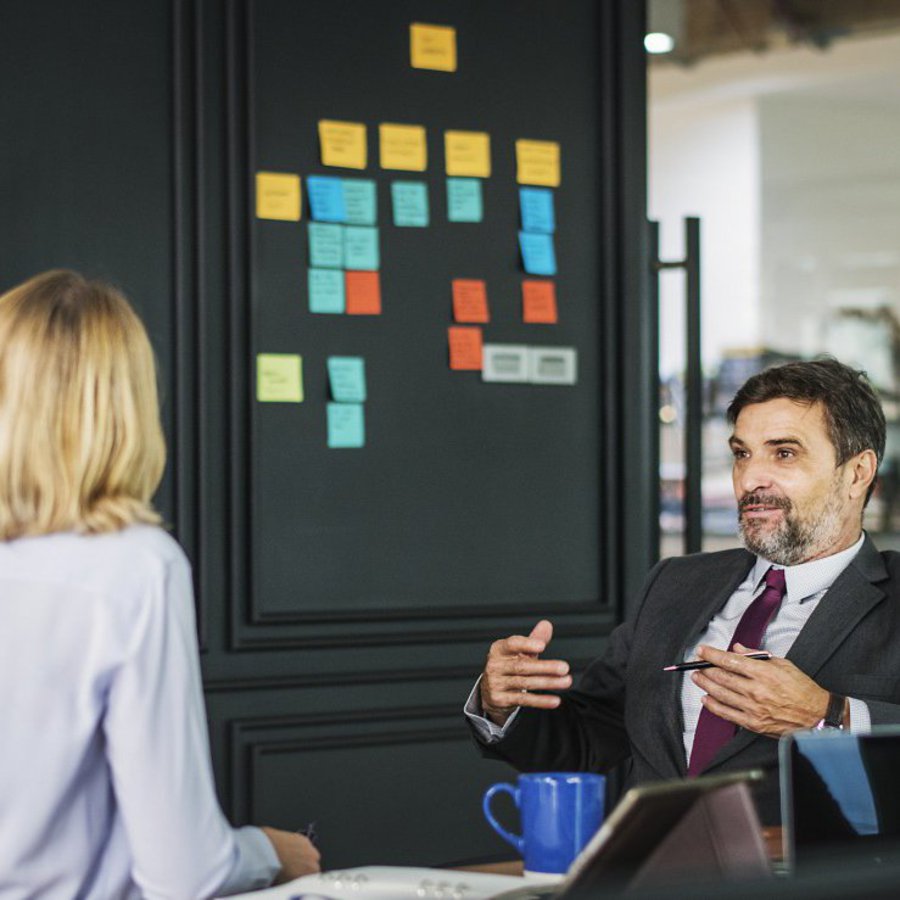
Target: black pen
column 703, row 664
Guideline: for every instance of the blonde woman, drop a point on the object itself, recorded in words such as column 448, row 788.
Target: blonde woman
column 106, row 788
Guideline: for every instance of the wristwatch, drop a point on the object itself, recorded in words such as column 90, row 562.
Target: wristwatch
column 834, row 714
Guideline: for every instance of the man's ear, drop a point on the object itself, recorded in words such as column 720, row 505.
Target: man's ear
column 863, row 467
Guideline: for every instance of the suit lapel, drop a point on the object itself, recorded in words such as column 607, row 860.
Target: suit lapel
column 839, row 611
column 709, row 587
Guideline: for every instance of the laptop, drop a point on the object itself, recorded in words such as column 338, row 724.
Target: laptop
column 840, row 797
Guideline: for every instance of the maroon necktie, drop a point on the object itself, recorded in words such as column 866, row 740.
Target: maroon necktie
column 712, row 732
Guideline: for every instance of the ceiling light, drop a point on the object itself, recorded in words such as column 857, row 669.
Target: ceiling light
column 659, row 42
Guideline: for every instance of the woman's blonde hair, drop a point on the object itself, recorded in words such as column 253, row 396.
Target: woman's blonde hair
column 81, row 445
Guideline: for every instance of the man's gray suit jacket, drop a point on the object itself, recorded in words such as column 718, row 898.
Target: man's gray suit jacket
column 626, row 710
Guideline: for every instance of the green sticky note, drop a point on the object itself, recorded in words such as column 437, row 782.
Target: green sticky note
column 347, row 376
column 464, row 203
column 346, row 425
column 361, row 248
column 326, row 245
column 326, row 290
column 279, row 378
column 410, row 201
column 360, row 201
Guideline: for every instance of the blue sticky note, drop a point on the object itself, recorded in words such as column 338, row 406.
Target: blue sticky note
column 410, row 201
column 326, row 291
column 361, row 247
column 360, row 201
column 347, row 376
column 536, row 208
column 346, row 425
column 326, row 198
column 538, row 255
column 326, row 245
column 464, row 202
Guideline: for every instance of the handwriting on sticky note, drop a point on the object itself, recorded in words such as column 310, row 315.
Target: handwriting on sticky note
column 360, row 201
column 347, row 377
column 538, row 162
column 536, row 210
column 467, row 153
column 326, row 198
column 465, row 348
column 410, row 202
column 361, row 247
column 363, row 290
column 326, row 245
column 346, row 425
column 432, row 47
column 470, row 300
column 539, row 302
column 278, row 196
column 464, row 201
column 279, row 378
column 538, row 255
column 326, row 290
column 343, row 144
column 403, row 147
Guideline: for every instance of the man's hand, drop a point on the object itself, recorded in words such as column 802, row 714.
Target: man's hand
column 513, row 670
column 771, row 697
column 295, row 852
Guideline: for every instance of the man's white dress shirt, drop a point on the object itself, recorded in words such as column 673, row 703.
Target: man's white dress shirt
column 106, row 786
column 806, row 584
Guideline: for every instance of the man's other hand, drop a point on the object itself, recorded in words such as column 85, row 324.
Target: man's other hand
column 513, row 671
column 771, row 696
column 295, row 852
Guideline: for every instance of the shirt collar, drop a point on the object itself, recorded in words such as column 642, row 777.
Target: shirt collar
column 807, row 579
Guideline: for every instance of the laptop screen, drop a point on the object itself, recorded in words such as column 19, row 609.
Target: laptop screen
column 840, row 794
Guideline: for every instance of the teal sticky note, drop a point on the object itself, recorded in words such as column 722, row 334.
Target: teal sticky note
column 410, row 202
column 361, row 248
column 464, row 203
column 536, row 210
column 360, row 201
column 326, row 198
column 346, row 425
column 538, row 255
column 326, row 245
column 326, row 291
column 347, row 377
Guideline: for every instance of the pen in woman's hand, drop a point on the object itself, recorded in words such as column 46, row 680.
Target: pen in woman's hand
column 702, row 664
column 309, row 831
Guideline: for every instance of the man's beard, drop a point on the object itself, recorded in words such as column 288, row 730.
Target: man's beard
column 794, row 539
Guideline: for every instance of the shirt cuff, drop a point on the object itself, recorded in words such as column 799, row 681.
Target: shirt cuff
column 487, row 731
column 256, row 863
column 860, row 718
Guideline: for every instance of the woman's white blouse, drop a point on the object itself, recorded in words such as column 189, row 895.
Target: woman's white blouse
column 106, row 787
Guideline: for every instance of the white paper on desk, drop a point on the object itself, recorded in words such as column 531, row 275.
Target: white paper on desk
column 553, row 365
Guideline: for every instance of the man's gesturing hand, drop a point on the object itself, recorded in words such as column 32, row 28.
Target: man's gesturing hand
column 513, row 670
column 770, row 697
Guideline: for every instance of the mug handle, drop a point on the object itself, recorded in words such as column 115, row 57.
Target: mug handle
column 502, row 788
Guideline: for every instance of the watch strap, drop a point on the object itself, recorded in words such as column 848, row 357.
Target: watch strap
column 834, row 715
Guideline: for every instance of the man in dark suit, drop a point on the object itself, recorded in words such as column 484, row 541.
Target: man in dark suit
column 810, row 587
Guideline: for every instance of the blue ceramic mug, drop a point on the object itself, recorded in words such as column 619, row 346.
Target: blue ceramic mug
column 559, row 813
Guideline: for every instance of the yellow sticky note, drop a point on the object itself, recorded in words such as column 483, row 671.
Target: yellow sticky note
column 403, row 147
column 343, row 144
column 468, row 153
column 278, row 196
column 432, row 47
column 537, row 162
column 279, row 378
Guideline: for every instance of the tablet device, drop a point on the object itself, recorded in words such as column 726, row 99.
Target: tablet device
column 840, row 795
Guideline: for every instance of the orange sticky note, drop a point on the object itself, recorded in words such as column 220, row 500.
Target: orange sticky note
column 470, row 300
column 362, row 294
column 465, row 348
column 539, row 302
